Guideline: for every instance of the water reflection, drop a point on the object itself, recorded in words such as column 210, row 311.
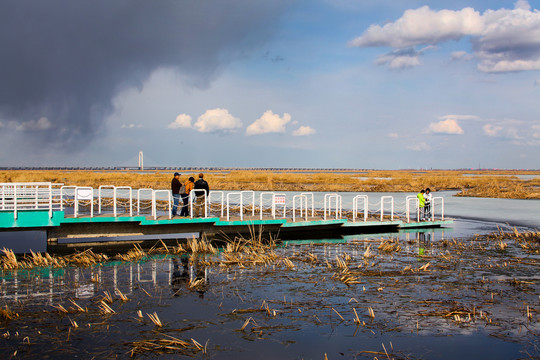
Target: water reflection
column 318, row 304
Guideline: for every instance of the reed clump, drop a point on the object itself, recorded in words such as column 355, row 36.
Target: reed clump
column 526, row 240
column 6, row 314
column 166, row 345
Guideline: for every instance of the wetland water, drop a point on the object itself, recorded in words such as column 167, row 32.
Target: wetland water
column 438, row 294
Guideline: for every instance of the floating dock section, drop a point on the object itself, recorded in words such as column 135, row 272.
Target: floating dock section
column 76, row 214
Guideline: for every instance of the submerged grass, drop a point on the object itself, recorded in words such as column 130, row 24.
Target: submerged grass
column 374, row 285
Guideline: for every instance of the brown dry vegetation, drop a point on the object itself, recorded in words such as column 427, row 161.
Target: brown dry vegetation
column 499, row 184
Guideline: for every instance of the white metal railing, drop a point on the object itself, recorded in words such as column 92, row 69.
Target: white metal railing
column 408, row 200
column 16, row 197
column 142, row 191
column 222, row 197
column 303, row 206
column 328, row 205
column 252, row 193
column 100, row 189
column 229, row 195
column 83, row 193
column 154, row 201
column 357, row 198
column 28, row 196
column 310, row 196
column 391, row 198
column 193, row 196
column 64, row 190
column 433, row 202
column 273, row 203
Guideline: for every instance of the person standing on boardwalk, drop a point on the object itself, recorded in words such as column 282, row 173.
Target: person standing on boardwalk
column 185, row 196
column 427, row 207
column 421, row 204
column 175, row 189
column 200, row 196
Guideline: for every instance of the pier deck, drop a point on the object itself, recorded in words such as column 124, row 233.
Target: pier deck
column 62, row 226
column 72, row 212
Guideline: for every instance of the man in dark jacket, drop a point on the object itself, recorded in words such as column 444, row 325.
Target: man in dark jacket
column 175, row 189
column 201, row 196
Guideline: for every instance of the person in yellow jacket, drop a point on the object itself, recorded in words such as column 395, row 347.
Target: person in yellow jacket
column 421, row 204
column 185, row 196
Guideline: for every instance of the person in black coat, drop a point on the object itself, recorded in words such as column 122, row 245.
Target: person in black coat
column 175, row 189
column 200, row 196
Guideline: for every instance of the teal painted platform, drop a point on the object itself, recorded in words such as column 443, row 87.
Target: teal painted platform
column 60, row 226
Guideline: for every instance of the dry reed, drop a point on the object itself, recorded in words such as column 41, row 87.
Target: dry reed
column 166, row 344
column 501, row 183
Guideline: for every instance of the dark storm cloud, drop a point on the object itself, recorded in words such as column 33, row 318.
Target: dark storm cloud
column 62, row 61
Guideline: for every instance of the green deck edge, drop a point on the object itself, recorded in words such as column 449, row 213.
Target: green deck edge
column 373, row 223
column 250, row 222
column 40, row 219
column 315, row 223
column 424, row 224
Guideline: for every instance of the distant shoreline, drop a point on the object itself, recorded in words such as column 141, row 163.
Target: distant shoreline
column 514, row 184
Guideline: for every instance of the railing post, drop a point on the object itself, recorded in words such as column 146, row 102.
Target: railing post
column 391, row 207
column 261, row 199
column 15, row 202
column 355, row 206
column 252, row 199
column 228, row 204
column 303, row 210
column 50, row 202
column 222, row 197
column 310, row 194
column 194, row 192
column 408, row 200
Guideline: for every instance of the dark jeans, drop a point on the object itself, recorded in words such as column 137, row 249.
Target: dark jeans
column 427, row 211
column 176, row 199
column 185, row 208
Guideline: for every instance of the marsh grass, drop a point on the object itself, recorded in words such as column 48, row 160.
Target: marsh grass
column 165, row 345
column 373, row 271
column 6, row 314
column 496, row 183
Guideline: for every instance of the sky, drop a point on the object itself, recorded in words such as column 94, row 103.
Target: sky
column 361, row 84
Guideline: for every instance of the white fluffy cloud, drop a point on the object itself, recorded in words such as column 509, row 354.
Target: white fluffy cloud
column 181, row 121
column 304, row 131
column 33, row 125
column 422, row 26
column 448, row 126
column 269, row 123
column 503, row 40
column 217, row 120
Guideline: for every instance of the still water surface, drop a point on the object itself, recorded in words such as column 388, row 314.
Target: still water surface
column 471, row 301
